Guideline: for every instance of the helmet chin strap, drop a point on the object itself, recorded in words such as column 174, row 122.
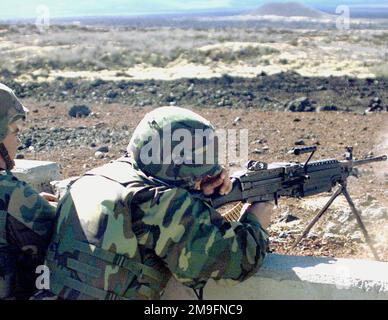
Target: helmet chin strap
column 9, row 163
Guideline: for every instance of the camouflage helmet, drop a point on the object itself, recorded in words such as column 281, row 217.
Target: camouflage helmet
column 11, row 110
column 176, row 146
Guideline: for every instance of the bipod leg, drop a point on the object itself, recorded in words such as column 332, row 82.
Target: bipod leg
column 360, row 223
column 318, row 216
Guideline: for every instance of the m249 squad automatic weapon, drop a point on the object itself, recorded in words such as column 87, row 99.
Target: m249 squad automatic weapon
column 261, row 182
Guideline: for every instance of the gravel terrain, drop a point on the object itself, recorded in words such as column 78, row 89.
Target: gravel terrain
column 265, row 92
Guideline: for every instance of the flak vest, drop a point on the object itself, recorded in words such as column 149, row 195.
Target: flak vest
column 92, row 259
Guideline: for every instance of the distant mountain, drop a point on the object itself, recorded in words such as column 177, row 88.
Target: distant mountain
column 288, row 9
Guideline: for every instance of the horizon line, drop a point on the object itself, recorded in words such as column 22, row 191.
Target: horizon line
column 184, row 11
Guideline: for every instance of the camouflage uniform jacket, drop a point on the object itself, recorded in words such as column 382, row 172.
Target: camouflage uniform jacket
column 26, row 224
column 121, row 235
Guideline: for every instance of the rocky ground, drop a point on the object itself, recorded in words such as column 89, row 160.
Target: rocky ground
column 264, row 92
column 79, row 144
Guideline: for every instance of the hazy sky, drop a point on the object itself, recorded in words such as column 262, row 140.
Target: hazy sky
column 60, row 8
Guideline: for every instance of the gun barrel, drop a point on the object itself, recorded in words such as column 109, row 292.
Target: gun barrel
column 369, row 160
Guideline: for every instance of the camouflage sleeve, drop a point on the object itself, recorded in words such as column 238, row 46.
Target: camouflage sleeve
column 25, row 205
column 29, row 222
column 197, row 244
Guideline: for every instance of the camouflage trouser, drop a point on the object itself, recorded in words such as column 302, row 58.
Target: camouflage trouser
column 21, row 251
column 7, row 272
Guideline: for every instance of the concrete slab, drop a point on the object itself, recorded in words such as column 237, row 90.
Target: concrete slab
column 39, row 174
column 60, row 186
column 293, row 277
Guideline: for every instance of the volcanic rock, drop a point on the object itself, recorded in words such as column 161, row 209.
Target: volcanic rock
column 79, row 111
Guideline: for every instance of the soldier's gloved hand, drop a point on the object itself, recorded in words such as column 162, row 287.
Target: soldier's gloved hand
column 262, row 210
column 221, row 182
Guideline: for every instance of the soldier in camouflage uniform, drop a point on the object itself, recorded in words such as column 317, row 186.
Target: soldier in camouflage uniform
column 125, row 228
column 26, row 218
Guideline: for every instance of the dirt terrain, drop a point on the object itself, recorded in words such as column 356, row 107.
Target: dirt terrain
column 264, row 92
column 74, row 142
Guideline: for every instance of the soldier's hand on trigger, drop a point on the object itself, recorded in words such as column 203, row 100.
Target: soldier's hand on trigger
column 262, row 210
column 221, row 182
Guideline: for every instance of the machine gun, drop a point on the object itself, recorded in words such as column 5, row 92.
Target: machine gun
column 261, row 182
